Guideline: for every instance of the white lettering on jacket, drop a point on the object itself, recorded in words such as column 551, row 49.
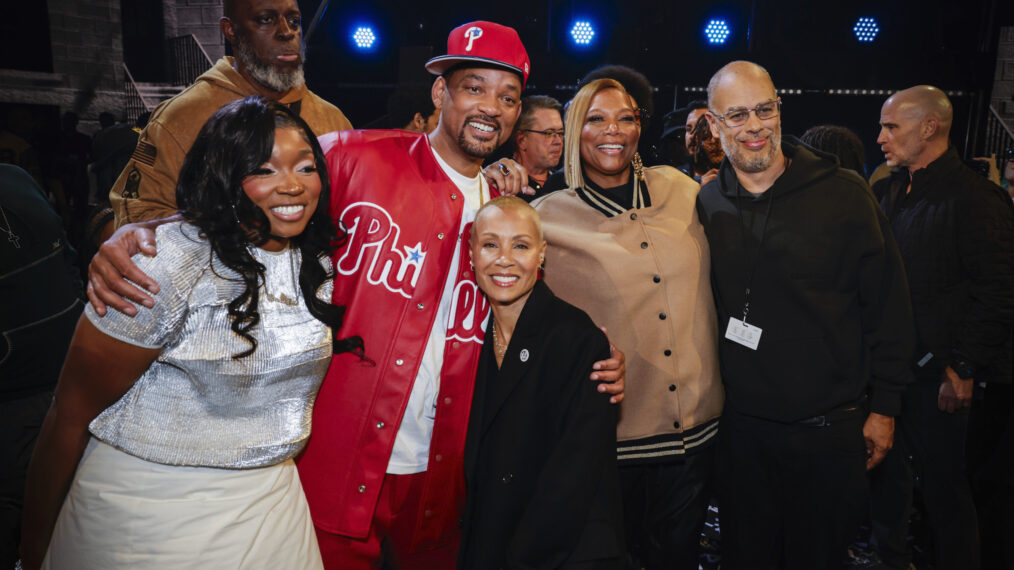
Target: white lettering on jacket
column 373, row 247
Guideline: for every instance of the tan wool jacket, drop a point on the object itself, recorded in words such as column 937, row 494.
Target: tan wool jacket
column 644, row 274
column 146, row 189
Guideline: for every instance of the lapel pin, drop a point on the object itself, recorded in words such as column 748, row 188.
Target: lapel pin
column 524, row 355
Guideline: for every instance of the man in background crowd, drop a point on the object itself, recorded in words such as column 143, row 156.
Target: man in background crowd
column 955, row 229
column 538, row 139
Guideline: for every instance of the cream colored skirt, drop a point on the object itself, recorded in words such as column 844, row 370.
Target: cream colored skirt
column 125, row 512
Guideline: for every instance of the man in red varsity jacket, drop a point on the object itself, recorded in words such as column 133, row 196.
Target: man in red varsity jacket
column 407, row 201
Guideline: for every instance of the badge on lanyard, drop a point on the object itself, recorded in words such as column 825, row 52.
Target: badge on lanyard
column 739, row 331
column 743, row 333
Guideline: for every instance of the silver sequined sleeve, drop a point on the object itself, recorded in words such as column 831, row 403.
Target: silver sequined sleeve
column 181, row 260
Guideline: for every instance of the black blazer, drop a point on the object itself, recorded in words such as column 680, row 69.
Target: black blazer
column 540, row 456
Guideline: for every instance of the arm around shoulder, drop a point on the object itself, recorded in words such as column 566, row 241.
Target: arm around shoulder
column 112, row 266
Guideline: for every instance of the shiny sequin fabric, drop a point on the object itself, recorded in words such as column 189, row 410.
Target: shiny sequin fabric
column 196, row 405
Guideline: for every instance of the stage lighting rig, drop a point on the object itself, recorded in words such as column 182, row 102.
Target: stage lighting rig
column 866, row 29
column 364, row 38
column 582, row 32
column 717, row 31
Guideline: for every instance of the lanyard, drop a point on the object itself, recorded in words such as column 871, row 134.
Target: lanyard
column 760, row 245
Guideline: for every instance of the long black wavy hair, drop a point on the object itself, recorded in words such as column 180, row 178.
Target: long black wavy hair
column 234, row 142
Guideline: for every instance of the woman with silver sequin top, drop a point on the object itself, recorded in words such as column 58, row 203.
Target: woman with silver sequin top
column 170, row 440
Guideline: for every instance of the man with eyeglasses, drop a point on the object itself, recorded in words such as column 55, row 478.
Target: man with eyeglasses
column 814, row 305
column 539, row 140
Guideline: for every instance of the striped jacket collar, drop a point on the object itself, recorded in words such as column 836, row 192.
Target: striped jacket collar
column 599, row 201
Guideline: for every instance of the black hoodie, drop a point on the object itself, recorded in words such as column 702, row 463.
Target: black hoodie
column 828, row 290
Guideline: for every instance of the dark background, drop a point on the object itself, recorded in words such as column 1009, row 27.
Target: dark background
column 805, row 46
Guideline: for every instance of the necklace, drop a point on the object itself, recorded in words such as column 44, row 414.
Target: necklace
column 499, row 348
column 282, row 297
column 11, row 236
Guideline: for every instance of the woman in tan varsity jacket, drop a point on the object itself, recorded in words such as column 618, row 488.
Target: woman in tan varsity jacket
column 625, row 246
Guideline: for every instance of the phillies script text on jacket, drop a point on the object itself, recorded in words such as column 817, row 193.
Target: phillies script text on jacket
column 402, row 215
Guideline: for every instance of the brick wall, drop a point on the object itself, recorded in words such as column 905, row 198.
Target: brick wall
column 1003, row 80
column 87, row 78
column 197, row 17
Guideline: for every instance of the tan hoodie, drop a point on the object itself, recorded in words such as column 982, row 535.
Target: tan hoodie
column 146, row 189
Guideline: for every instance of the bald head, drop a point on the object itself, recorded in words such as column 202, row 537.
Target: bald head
column 735, row 73
column 736, row 94
column 512, row 204
column 924, row 102
column 915, row 124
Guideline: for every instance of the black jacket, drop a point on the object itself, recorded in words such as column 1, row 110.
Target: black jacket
column 40, row 288
column 828, row 290
column 955, row 230
column 540, row 458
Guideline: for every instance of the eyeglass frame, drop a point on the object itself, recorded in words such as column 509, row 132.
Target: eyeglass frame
column 548, row 133
column 778, row 111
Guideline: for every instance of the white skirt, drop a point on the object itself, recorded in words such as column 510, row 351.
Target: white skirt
column 125, row 512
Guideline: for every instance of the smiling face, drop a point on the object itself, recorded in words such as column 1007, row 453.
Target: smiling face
column 286, row 187
column 609, row 138
column 478, row 108
column 506, row 251
column 267, row 40
column 754, row 146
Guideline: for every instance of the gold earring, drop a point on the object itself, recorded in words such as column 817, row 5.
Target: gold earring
column 638, row 166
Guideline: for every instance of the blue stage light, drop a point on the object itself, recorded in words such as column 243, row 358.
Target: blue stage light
column 866, row 29
column 717, row 31
column 582, row 32
column 363, row 37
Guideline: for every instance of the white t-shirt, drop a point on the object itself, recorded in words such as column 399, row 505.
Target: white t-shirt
column 412, row 444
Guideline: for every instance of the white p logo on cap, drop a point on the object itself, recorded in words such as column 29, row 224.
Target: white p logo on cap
column 472, row 34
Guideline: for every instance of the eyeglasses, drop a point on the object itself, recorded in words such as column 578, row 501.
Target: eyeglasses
column 739, row 117
column 548, row 133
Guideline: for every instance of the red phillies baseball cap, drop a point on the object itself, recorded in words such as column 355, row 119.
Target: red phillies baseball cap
column 483, row 42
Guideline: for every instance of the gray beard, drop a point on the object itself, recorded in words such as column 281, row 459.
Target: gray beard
column 267, row 75
column 748, row 163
